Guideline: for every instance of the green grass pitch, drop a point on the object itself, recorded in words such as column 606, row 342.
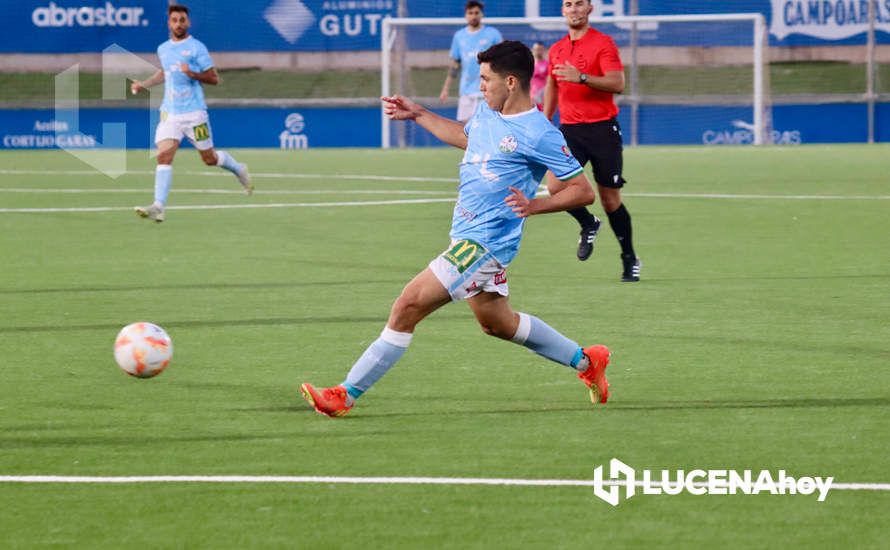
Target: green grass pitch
column 759, row 338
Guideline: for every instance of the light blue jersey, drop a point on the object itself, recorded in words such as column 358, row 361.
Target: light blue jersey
column 181, row 93
column 465, row 46
column 503, row 151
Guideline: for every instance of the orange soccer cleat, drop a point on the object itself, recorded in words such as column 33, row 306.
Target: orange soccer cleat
column 595, row 375
column 331, row 402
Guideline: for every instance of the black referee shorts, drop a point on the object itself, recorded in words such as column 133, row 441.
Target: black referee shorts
column 600, row 144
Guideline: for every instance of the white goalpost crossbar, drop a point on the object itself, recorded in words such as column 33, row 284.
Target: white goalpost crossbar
column 388, row 37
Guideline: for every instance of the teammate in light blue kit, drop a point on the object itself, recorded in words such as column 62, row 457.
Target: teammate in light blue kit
column 185, row 65
column 465, row 46
column 509, row 146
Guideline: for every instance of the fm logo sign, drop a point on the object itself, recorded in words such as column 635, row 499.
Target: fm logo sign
column 293, row 137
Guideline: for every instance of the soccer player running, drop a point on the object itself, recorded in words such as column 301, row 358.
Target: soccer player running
column 509, row 147
column 585, row 73
column 186, row 64
column 465, row 45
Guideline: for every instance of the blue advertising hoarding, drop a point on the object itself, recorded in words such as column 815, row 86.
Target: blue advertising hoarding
column 81, row 26
column 302, row 128
column 232, row 127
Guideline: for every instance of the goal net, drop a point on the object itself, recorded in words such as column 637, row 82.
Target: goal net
column 685, row 73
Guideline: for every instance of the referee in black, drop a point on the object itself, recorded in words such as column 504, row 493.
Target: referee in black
column 585, row 73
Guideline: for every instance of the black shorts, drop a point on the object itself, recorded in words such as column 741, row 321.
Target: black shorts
column 600, row 144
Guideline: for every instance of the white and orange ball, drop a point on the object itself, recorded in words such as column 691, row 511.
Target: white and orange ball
column 143, row 349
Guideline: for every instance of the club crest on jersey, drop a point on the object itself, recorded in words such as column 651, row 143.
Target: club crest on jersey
column 565, row 151
column 508, row 144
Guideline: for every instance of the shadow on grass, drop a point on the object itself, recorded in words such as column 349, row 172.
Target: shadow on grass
column 225, row 323
column 798, row 403
column 194, row 286
column 38, row 442
column 839, row 276
column 645, row 406
column 202, row 323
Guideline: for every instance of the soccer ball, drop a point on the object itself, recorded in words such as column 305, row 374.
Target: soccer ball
column 143, row 349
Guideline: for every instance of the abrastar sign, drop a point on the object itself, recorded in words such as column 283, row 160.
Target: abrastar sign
column 108, row 15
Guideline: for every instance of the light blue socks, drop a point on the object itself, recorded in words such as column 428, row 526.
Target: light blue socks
column 163, row 180
column 377, row 359
column 544, row 340
column 225, row 160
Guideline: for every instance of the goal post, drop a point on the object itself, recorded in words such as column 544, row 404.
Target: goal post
column 692, row 62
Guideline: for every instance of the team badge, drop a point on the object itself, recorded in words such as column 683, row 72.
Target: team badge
column 565, row 151
column 508, row 144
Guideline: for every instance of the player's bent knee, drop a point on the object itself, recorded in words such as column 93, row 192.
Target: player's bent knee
column 405, row 314
column 165, row 157
column 497, row 330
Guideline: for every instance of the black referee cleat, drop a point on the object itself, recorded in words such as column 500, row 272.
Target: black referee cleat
column 588, row 237
column 632, row 266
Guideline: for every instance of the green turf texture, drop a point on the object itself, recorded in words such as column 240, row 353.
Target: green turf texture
column 785, row 78
column 759, row 337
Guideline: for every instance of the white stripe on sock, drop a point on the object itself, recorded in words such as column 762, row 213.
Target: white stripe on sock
column 523, row 330
column 400, row 339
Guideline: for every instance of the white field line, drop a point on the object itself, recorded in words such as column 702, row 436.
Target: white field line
column 366, row 481
column 757, row 197
column 50, row 210
column 371, row 177
column 229, row 191
column 223, row 206
column 542, row 192
column 222, row 173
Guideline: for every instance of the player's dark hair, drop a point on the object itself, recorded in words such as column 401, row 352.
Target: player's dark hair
column 510, row 58
column 177, row 8
column 474, row 4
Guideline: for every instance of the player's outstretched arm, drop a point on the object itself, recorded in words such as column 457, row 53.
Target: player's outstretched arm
column 447, row 130
column 578, row 192
column 138, row 85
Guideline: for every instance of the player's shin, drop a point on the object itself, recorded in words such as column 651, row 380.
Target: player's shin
column 228, row 162
column 382, row 354
column 163, row 180
column 546, row 341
